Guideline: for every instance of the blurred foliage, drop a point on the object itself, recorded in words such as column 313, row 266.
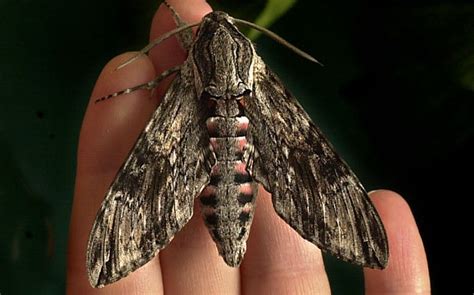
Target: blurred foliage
column 395, row 97
column 273, row 10
column 263, row 13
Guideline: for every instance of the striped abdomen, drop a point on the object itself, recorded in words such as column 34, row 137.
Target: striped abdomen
column 228, row 201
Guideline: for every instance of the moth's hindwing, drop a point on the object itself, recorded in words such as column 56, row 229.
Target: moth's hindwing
column 152, row 195
column 312, row 188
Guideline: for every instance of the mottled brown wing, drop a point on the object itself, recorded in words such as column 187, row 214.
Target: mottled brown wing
column 312, row 188
column 152, row 195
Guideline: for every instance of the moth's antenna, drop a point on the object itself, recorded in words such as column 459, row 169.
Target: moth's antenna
column 147, row 86
column 185, row 38
column 278, row 39
column 156, row 42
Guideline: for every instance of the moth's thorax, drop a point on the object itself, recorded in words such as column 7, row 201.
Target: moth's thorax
column 223, row 58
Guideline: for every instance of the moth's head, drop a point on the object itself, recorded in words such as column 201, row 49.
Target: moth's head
column 212, row 21
column 218, row 17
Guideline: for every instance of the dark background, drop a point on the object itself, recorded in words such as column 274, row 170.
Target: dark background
column 395, row 97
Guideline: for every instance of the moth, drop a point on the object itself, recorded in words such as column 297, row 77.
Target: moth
column 225, row 125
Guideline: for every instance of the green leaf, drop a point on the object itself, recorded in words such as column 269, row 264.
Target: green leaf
column 263, row 13
column 272, row 11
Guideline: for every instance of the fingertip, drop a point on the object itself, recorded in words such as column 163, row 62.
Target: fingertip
column 388, row 202
column 407, row 270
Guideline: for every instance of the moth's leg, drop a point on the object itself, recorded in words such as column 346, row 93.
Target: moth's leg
column 183, row 30
column 185, row 38
column 156, row 42
column 147, row 86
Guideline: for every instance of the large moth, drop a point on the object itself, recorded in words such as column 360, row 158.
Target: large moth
column 225, row 125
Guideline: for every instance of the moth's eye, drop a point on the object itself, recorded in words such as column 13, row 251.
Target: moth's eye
column 241, row 91
column 213, row 91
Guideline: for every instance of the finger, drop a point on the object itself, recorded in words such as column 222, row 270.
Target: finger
column 407, row 271
column 278, row 260
column 108, row 132
column 190, row 264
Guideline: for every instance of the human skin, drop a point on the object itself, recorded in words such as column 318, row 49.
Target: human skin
column 278, row 260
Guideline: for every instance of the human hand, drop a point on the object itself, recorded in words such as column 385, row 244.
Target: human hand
column 278, row 260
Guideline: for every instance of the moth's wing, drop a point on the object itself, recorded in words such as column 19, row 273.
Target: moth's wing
column 153, row 193
column 312, row 188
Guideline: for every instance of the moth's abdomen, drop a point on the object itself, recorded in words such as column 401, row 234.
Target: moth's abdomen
column 228, row 201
